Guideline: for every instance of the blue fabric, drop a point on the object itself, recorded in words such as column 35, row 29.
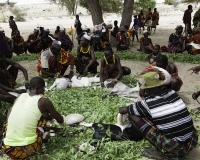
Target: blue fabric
column 136, row 22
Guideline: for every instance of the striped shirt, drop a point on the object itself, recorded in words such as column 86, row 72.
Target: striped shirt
column 167, row 111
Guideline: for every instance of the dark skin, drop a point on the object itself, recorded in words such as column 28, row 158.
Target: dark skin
column 45, row 106
column 5, row 62
column 85, row 43
column 152, row 56
column 146, row 41
column 52, row 67
column 6, row 97
column 109, row 56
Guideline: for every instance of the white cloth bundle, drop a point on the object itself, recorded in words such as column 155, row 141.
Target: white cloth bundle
column 196, row 46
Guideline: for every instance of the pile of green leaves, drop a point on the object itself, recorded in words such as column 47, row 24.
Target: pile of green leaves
column 185, row 58
column 25, row 57
column 89, row 103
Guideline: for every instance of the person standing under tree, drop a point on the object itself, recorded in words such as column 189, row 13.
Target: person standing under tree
column 13, row 26
column 187, row 20
column 141, row 18
column 77, row 25
column 155, row 19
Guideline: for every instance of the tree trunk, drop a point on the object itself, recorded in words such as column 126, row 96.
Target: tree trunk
column 95, row 10
column 127, row 12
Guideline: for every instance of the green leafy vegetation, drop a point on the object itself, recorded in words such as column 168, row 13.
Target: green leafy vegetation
column 114, row 6
column 144, row 4
column 89, row 103
column 185, row 58
column 19, row 15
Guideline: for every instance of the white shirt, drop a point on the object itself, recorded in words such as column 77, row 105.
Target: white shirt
column 45, row 58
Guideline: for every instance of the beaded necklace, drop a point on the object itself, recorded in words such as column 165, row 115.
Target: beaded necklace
column 113, row 57
column 88, row 49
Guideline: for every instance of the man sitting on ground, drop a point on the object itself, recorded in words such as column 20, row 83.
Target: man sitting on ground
column 146, row 45
column 152, row 57
column 67, row 44
column 163, row 119
column 121, row 40
column 32, row 41
column 176, row 41
column 195, row 38
column 8, row 78
column 18, row 43
column 111, row 67
column 54, row 61
column 86, row 60
column 45, row 41
column 24, row 132
column 5, row 44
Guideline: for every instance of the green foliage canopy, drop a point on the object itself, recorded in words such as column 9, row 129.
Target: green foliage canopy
column 144, row 4
column 108, row 6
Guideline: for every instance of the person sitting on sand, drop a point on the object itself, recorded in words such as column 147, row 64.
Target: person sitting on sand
column 44, row 41
column 24, row 127
column 176, row 41
column 103, row 39
column 152, row 57
column 163, row 119
column 122, row 40
column 5, row 44
column 86, row 60
column 32, row 41
column 54, row 61
column 62, row 36
column 8, row 78
column 111, row 67
column 18, row 43
column 195, row 38
column 85, row 29
column 146, row 45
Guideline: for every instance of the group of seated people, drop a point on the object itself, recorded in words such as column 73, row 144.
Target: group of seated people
column 149, row 115
column 177, row 42
column 161, row 116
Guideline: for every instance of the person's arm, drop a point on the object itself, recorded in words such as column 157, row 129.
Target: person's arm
column 93, row 58
column 138, row 109
column 151, row 42
column 120, row 74
column 17, row 65
column 45, row 104
column 78, row 52
column 195, row 69
column 101, row 72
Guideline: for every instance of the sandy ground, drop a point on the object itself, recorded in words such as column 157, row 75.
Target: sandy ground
column 50, row 16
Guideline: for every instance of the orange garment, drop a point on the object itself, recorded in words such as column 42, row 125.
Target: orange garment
column 64, row 59
column 195, row 39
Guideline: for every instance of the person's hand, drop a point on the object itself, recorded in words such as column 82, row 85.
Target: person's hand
column 110, row 85
column 85, row 72
column 195, row 95
column 195, row 69
column 27, row 85
column 20, row 91
column 123, row 110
